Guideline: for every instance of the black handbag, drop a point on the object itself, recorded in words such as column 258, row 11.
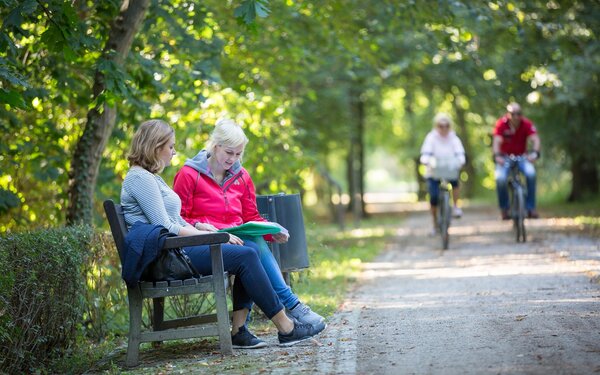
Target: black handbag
column 170, row 265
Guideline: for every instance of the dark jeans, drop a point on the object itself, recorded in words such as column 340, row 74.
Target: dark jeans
column 502, row 172
column 252, row 283
column 434, row 189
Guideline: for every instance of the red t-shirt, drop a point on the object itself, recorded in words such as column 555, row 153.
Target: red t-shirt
column 514, row 141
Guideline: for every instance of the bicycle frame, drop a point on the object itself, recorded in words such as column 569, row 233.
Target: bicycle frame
column 517, row 200
column 444, row 214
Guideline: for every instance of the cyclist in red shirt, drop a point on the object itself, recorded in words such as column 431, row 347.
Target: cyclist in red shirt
column 512, row 133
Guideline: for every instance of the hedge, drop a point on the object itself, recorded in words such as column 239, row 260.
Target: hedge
column 42, row 295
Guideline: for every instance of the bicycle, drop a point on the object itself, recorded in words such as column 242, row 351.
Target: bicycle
column 517, row 198
column 444, row 170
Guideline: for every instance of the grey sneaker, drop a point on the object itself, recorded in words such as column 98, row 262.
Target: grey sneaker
column 246, row 340
column 301, row 332
column 303, row 314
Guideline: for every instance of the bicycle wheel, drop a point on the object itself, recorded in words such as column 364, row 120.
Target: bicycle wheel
column 445, row 218
column 520, row 214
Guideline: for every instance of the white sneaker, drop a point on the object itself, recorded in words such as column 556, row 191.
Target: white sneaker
column 457, row 212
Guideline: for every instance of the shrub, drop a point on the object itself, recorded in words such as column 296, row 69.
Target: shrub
column 41, row 295
column 106, row 307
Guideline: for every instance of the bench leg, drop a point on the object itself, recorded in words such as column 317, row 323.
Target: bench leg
column 221, row 300
column 135, row 326
column 158, row 317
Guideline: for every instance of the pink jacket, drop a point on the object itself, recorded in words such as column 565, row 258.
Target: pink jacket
column 203, row 200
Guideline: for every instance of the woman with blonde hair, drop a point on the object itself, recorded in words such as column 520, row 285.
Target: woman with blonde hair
column 146, row 198
column 217, row 192
column 442, row 146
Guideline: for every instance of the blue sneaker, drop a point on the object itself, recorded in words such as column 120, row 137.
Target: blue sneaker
column 246, row 340
column 301, row 332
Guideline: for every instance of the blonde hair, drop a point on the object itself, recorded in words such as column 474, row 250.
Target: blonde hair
column 147, row 141
column 442, row 117
column 226, row 133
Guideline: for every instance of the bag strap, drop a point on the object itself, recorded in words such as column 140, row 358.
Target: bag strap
column 188, row 261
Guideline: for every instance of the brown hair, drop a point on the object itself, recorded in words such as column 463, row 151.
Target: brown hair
column 147, row 141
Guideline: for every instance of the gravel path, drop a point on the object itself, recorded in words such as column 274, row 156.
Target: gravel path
column 486, row 305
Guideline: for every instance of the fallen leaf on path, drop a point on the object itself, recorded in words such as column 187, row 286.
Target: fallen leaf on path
column 345, row 339
column 518, row 318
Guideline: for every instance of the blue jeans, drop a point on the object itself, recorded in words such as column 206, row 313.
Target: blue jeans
column 433, row 186
column 284, row 292
column 252, row 283
column 502, row 172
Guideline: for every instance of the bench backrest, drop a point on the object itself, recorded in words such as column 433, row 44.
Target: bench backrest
column 118, row 227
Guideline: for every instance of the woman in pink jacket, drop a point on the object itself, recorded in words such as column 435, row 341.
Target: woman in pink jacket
column 217, row 192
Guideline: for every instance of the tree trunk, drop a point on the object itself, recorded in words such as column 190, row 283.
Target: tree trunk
column 412, row 140
column 585, row 181
column 356, row 156
column 463, row 132
column 584, row 161
column 100, row 122
column 360, row 112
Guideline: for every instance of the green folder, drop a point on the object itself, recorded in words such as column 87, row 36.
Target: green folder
column 253, row 229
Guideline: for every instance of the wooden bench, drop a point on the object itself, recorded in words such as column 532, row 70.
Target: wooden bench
column 182, row 328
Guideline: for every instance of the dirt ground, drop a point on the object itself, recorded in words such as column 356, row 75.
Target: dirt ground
column 486, row 305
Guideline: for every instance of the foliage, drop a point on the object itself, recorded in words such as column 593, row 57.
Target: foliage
column 42, row 295
column 292, row 78
column 105, row 311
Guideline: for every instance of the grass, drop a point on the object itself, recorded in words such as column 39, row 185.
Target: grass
column 336, row 260
column 585, row 213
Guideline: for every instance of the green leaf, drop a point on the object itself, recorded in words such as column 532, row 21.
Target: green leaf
column 28, row 7
column 262, row 10
column 248, row 10
column 10, row 76
column 12, row 98
column 8, row 200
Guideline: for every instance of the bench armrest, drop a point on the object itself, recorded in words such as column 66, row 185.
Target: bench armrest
column 197, row 240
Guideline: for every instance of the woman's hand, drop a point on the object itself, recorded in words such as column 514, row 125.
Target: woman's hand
column 205, row 226
column 281, row 237
column 235, row 240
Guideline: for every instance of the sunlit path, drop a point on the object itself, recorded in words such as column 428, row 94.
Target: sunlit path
column 487, row 305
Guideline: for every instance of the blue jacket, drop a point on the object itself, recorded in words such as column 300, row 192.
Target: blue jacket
column 143, row 244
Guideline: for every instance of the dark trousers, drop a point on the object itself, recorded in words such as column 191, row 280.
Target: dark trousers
column 251, row 284
column 434, row 189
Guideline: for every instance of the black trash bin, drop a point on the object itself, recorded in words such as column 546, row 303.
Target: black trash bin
column 286, row 209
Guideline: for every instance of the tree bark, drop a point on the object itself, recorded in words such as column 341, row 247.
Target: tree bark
column 410, row 118
column 360, row 112
column 100, row 123
column 585, row 181
column 356, row 156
